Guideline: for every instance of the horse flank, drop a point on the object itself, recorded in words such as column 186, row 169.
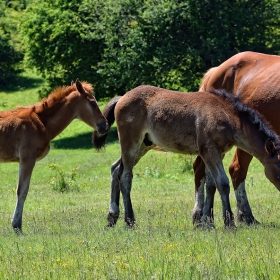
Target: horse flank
column 254, row 117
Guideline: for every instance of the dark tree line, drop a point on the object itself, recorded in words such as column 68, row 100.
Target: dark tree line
column 119, row 44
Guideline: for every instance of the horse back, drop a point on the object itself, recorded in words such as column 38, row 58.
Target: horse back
column 254, row 77
column 176, row 121
column 20, row 130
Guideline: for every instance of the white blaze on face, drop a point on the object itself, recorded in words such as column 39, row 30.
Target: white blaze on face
column 95, row 100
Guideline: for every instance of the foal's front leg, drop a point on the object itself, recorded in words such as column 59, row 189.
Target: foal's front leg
column 25, row 172
column 214, row 164
column 114, row 209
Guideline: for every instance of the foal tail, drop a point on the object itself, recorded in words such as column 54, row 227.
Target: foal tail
column 205, row 79
column 100, row 140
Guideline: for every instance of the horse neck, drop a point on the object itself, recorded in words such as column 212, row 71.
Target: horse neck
column 57, row 116
column 252, row 141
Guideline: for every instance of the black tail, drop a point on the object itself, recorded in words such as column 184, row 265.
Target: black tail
column 100, row 141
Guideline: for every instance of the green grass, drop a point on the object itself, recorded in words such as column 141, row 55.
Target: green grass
column 64, row 235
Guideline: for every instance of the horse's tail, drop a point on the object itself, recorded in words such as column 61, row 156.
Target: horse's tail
column 205, row 79
column 109, row 113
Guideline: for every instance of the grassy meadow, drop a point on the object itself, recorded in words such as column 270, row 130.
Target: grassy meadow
column 64, row 235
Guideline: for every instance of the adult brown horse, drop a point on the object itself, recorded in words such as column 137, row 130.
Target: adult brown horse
column 255, row 78
column 203, row 123
column 26, row 132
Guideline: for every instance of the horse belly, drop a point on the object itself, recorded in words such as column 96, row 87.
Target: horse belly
column 18, row 141
column 8, row 150
column 183, row 143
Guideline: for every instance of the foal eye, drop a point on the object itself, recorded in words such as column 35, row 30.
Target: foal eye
column 93, row 103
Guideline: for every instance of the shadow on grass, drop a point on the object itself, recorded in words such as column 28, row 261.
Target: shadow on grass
column 21, row 83
column 83, row 141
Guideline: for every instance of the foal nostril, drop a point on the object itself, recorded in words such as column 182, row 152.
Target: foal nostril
column 102, row 127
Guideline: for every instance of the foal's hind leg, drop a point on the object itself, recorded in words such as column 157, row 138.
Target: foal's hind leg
column 130, row 158
column 25, row 172
column 114, row 210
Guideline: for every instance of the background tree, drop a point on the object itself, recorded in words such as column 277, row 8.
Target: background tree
column 11, row 49
column 120, row 44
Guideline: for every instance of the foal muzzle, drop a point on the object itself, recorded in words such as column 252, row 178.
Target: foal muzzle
column 102, row 127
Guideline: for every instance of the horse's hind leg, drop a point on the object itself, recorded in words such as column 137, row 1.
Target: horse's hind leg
column 238, row 170
column 130, row 158
column 114, row 210
column 25, row 172
column 199, row 178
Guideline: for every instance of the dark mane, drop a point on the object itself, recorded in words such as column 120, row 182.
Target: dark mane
column 257, row 119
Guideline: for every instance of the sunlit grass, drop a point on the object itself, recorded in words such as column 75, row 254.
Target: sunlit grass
column 65, row 238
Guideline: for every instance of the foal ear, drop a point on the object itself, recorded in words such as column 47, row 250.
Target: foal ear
column 72, row 83
column 270, row 148
column 79, row 86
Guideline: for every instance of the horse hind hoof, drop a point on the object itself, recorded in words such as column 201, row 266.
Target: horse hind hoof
column 131, row 224
column 230, row 225
column 112, row 219
column 109, row 225
column 18, row 231
column 196, row 218
column 247, row 219
column 204, row 225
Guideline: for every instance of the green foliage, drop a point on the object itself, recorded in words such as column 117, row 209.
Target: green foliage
column 63, row 182
column 11, row 53
column 120, row 44
column 54, row 33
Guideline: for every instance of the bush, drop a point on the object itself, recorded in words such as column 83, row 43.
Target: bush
column 11, row 53
column 120, row 44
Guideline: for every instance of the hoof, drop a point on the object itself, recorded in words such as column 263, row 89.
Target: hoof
column 109, row 226
column 112, row 219
column 130, row 223
column 18, row 231
column 204, row 225
column 229, row 223
column 196, row 217
column 248, row 219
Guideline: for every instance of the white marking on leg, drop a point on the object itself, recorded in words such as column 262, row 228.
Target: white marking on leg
column 114, row 208
column 199, row 196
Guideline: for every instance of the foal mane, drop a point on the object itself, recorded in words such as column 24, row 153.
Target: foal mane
column 59, row 93
column 256, row 119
